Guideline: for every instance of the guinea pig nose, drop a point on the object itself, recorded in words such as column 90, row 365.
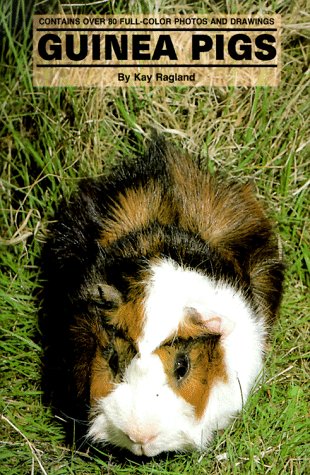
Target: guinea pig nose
column 140, row 439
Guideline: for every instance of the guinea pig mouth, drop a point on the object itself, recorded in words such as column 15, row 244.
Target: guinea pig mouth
column 138, row 449
column 141, row 444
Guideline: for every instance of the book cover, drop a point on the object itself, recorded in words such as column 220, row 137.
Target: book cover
column 85, row 85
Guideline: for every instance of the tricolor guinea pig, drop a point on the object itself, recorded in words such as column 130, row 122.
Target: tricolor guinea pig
column 164, row 282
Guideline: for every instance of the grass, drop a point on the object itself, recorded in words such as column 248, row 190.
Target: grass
column 52, row 137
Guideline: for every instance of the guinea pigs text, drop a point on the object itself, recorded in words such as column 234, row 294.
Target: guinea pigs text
column 162, row 285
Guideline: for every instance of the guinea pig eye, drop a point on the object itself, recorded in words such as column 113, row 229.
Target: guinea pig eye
column 181, row 366
column 114, row 362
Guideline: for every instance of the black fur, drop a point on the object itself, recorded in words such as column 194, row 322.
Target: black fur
column 74, row 260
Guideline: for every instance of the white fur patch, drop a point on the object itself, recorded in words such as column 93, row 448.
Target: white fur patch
column 173, row 288
column 143, row 414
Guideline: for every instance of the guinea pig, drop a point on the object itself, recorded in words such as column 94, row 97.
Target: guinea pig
column 163, row 283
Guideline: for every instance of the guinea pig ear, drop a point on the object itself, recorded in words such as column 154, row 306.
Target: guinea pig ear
column 219, row 325
column 104, row 295
column 213, row 324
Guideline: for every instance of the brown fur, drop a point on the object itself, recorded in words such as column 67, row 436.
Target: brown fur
column 206, row 361
column 84, row 334
column 207, row 367
column 202, row 203
column 225, row 215
column 134, row 209
column 129, row 318
column 102, row 380
column 198, row 203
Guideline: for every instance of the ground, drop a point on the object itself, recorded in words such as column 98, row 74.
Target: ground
column 50, row 137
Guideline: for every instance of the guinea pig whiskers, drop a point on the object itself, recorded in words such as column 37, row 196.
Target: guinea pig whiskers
column 64, row 417
column 241, row 393
column 174, row 338
column 201, row 440
column 82, row 441
column 95, row 411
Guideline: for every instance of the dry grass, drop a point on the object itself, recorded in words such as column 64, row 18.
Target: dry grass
column 52, row 137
